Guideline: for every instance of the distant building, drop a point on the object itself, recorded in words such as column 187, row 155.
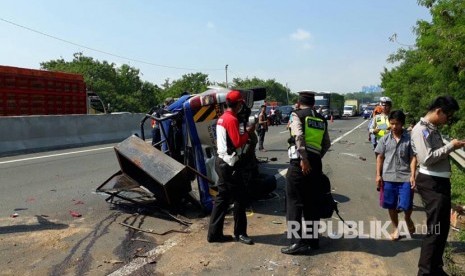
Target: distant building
column 372, row 89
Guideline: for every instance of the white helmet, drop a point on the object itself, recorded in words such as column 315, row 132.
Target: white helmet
column 385, row 100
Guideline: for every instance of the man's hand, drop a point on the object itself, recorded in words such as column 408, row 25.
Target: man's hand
column 458, row 143
column 305, row 166
column 379, row 182
column 412, row 182
column 250, row 128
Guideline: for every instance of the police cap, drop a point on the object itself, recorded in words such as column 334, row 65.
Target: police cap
column 307, row 97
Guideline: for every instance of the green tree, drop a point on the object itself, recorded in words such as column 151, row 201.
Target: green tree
column 275, row 91
column 435, row 66
column 121, row 87
column 192, row 83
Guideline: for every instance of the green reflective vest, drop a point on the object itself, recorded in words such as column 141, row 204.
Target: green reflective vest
column 314, row 129
column 382, row 123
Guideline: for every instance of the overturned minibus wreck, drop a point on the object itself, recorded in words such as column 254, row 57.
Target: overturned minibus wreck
column 181, row 165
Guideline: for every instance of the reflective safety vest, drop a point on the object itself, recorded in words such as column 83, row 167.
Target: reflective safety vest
column 314, row 128
column 314, row 131
column 382, row 123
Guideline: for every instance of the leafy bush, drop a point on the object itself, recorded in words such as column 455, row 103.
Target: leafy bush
column 458, row 184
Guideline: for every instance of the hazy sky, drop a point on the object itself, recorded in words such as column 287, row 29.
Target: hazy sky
column 324, row 45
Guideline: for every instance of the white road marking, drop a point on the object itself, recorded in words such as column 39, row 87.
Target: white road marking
column 280, row 174
column 59, row 154
column 53, row 155
column 349, row 154
column 153, row 254
column 347, row 133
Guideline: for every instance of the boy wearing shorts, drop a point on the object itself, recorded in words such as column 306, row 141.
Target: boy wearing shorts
column 395, row 172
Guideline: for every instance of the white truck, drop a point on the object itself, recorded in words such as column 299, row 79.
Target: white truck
column 349, row 111
column 350, row 108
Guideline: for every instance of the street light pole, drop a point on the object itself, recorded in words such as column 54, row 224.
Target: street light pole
column 226, row 70
column 287, row 94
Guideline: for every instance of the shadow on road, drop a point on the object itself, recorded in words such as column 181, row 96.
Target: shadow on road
column 43, row 224
column 379, row 247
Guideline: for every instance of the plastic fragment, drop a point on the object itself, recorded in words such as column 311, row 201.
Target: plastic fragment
column 75, row 214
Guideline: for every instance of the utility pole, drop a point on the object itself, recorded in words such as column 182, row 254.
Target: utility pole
column 287, row 94
column 226, row 69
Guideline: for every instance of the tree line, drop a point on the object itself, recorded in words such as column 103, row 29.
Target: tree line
column 434, row 66
column 122, row 88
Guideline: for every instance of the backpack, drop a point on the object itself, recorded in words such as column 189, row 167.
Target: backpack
column 327, row 205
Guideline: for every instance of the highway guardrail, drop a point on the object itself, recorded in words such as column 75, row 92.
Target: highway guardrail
column 457, row 155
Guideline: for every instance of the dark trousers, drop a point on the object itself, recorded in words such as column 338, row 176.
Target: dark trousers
column 302, row 193
column 436, row 195
column 230, row 187
column 261, row 138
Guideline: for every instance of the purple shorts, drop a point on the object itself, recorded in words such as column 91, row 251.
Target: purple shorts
column 396, row 196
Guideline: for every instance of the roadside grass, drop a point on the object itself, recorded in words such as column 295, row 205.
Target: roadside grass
column 453, row 255
column 458, row 185
column 458, row 192
column 451, row 263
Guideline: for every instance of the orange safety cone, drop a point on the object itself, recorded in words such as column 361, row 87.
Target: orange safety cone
column 332, row 119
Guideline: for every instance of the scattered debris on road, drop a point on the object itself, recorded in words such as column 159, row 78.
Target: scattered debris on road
column 75, row 214
column 113, row 262
column 151, row 231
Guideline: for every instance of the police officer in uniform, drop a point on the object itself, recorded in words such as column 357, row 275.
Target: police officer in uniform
column 308, row 144
column 380, row 123
column 228, row 167
column 433, row 181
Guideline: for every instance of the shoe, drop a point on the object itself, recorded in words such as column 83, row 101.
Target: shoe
column 295, row 249
column 244, row 239
column 263, row 150
column 222, row 238
column 314, row 245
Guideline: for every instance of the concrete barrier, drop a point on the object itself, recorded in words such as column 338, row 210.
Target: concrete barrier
column 26, row 134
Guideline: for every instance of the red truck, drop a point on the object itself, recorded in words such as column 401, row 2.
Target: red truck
column 40, row 92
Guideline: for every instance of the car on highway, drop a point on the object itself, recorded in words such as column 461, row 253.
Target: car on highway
column 368, row 111
column 286, row 111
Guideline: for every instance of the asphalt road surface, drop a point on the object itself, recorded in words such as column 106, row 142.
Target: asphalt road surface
column 41, row 192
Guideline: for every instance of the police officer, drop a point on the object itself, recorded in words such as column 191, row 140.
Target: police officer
column 230, row 182
column 308, row 144
column 380, row 124
column 433, row 181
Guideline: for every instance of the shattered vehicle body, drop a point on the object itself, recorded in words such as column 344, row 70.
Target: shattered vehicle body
column 186, row 155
